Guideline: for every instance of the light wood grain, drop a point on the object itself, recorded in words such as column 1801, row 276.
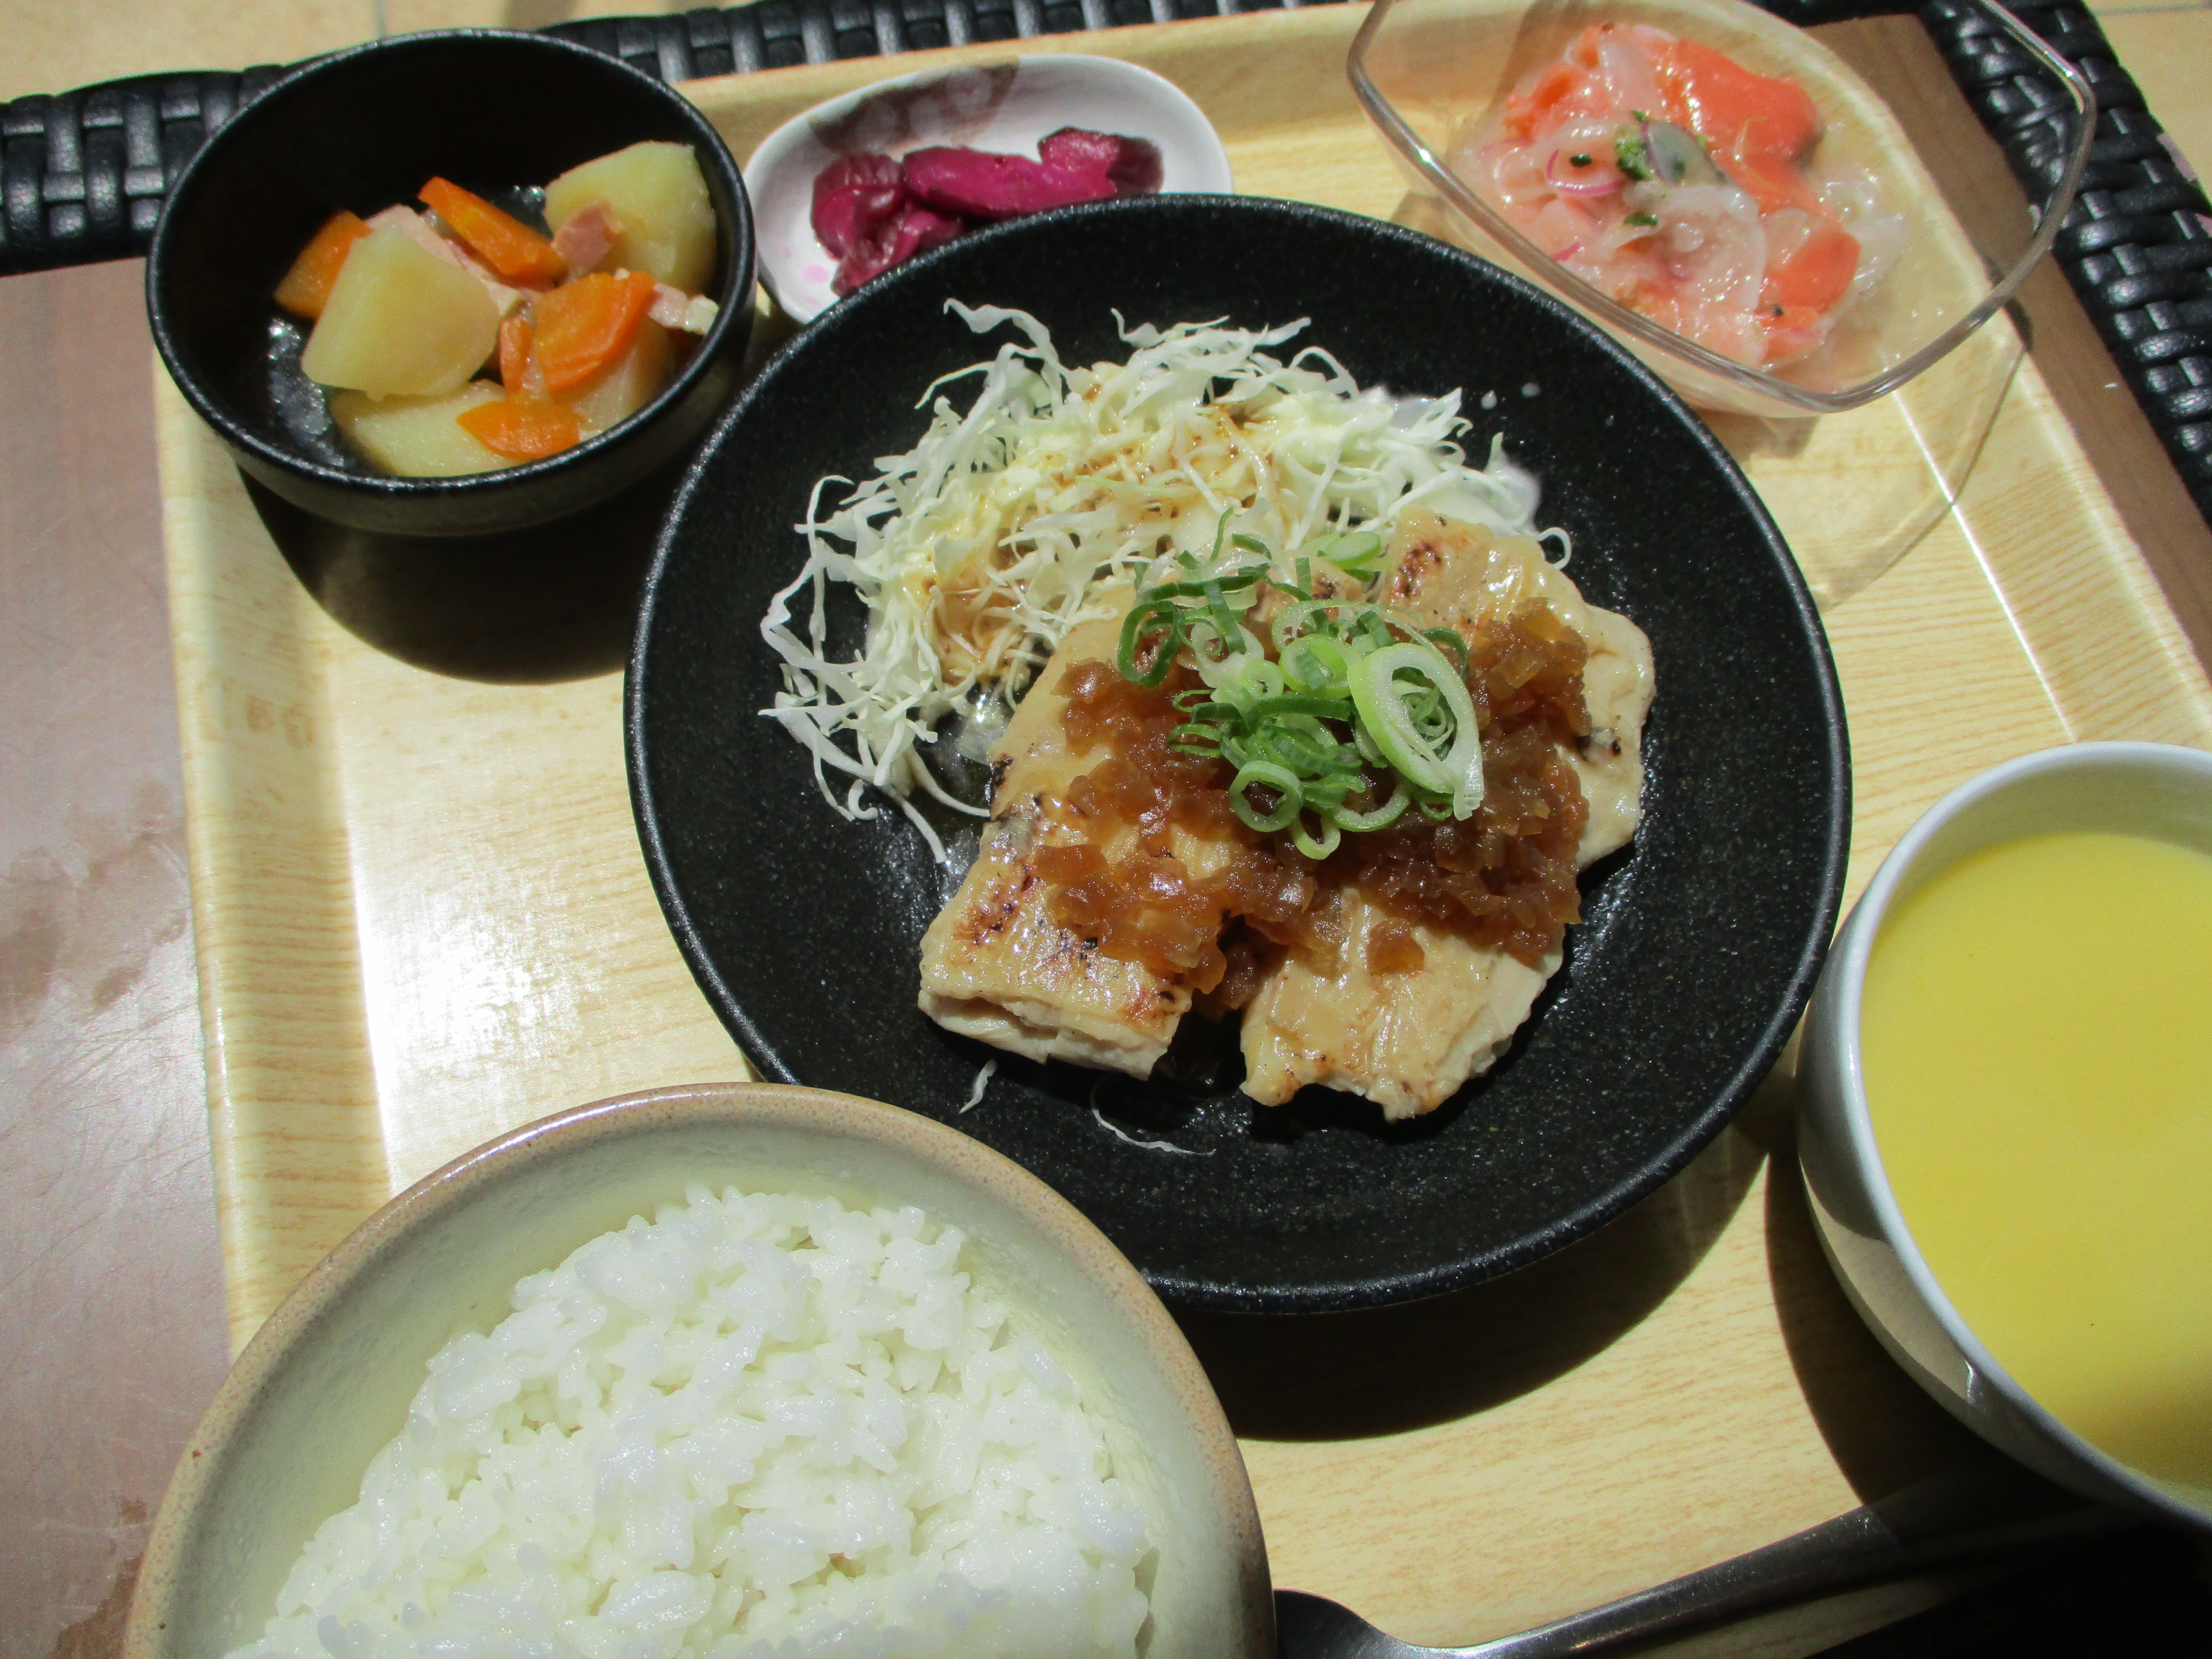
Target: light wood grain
column 423, row 918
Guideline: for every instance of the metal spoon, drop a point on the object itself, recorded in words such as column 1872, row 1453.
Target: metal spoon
column 1979, row 1509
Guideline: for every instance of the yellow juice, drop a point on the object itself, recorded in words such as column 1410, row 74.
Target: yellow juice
column 2036, row 1038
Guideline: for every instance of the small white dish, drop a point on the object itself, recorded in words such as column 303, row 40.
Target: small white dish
column 1004, row 108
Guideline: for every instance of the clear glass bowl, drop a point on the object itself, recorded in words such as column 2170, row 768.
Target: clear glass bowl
column 1434, row 77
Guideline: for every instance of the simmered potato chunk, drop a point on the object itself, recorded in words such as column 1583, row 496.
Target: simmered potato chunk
column 418, row 437
column 658, row 193
column 631, row 382
column 401, row 320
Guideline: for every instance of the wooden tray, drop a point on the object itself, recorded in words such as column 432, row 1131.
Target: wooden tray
column 422, row 919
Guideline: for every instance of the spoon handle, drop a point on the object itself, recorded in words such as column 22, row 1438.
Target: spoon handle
column 1983, row 1509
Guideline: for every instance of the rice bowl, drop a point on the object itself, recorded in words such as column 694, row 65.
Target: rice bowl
column 757, row 1421
column 1048, row 1312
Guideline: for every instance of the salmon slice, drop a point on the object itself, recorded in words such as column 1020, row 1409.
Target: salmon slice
column 1407, row 1039
column 1760, row 127
column 1815, row 272
column 1562, row 92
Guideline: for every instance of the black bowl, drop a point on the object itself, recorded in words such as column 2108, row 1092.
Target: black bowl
column 1700, row 941
column 362, row 129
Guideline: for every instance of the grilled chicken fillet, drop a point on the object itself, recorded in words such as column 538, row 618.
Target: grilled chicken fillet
column 994, row 964
column 1407, row 1039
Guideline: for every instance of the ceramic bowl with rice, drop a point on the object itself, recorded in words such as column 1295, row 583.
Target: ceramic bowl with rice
column 723, row 1370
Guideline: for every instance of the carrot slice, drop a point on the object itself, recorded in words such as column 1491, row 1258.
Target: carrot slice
column 513, row 354
column 307, row 287
column 587, row 325
column 510, row 247
column 522, row 428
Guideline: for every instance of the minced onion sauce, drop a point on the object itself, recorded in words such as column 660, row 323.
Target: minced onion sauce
column 1504, row 878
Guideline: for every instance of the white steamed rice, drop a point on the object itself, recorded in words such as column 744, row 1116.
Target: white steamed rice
column 760, row 1426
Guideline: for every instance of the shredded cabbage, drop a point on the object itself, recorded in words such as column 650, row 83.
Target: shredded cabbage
column 978, row 550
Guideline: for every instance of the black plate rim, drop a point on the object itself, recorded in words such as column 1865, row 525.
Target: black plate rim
column 1320, row 1295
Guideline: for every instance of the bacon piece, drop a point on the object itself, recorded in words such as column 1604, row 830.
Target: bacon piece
column 672, row 307
column 587, row 236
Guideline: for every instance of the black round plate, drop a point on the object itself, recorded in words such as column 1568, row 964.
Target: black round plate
column 1700, row 941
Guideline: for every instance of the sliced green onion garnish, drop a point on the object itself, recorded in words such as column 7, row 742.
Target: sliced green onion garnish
column 1361, row 824
column 1381, row 700
column 1447, row 641
column 1352, row 552
column 1313, row 848
column 1149, row 618
column 1199, row 587
column 1278, row 778
column 1352, row 691
column 1294, row 702
column 1314, row 664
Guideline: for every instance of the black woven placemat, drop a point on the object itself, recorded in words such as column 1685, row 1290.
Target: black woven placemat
column 82, row 173
column 2137, row 245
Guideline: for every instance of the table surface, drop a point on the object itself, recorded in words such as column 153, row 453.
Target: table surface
column 111, row 1327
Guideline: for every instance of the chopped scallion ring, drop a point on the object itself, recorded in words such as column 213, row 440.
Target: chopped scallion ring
column 1361, row 824
column 1316, row 848
column 1353, row 690
column 1278, row 778
column 1385, row 712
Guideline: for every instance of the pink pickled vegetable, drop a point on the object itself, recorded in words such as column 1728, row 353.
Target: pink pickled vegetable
column 977, row 184
column 914, row 229
column 874, row 212
column 853, row 197
column 1132, row 164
